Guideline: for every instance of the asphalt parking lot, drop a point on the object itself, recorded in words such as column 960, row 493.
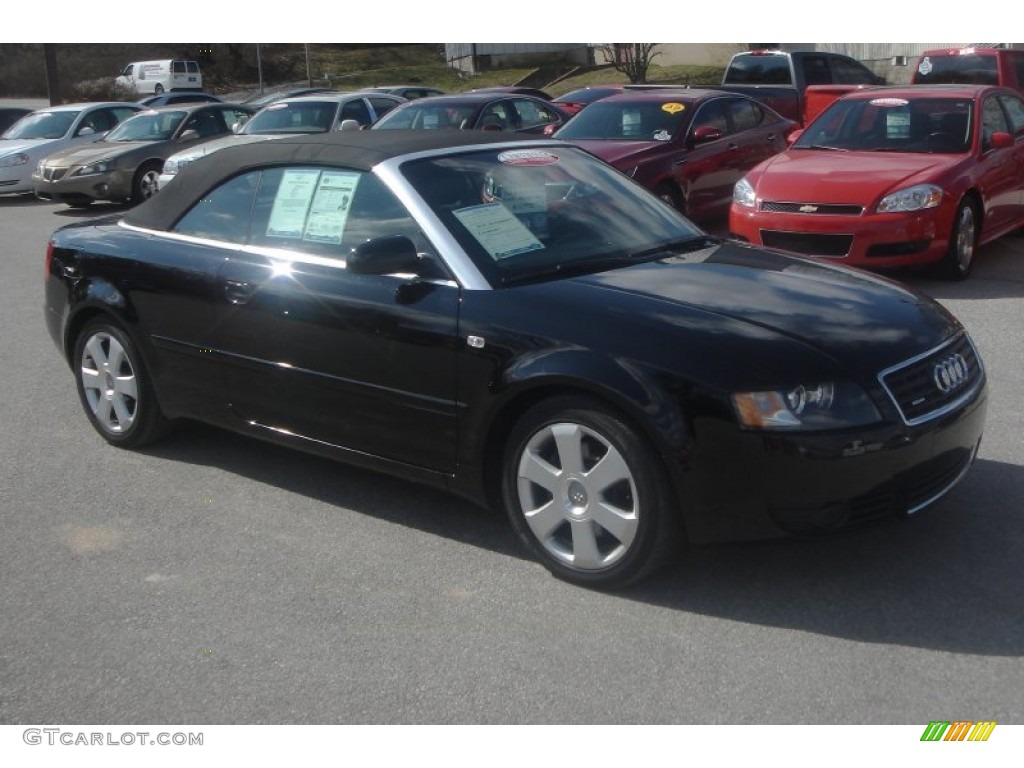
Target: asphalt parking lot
column 215, row 579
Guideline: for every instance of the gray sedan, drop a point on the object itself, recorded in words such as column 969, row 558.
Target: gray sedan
column 124, row 165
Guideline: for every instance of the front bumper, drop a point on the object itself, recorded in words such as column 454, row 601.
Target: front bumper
column 59, row 184
column 874, row 241
column 815, row 484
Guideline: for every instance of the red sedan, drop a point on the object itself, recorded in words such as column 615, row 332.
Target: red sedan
column 688, row 146
column 893, row 177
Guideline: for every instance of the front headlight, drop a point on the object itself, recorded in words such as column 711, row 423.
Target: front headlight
column 18, row 158
column 806, row 407
column 174, row 166
column 743, row 194
column 916, row 198
column 100, row 166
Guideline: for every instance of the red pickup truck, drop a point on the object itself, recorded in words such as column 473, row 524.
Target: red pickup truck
column 981, row 66
column 796, row 84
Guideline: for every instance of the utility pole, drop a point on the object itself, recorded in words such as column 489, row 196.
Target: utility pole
column 309, row 76
column 50, row 65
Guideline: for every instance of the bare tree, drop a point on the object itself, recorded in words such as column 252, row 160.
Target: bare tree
column 631, row 59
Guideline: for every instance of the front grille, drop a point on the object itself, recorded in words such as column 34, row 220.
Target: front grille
column 808, row 243
column 929, row 385
column 812, row 209
column 54, row 174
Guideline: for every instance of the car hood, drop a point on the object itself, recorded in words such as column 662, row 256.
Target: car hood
column 765, row 311
column 98, row 150
column 822, row 176
column 622, row 153
column 10, row 146
column 231, row 140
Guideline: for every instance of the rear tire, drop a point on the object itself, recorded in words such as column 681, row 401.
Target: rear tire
column 671, row 196
column 588, row 495
column 114, row 387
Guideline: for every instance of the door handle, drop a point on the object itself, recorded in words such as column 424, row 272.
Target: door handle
column 239, row 291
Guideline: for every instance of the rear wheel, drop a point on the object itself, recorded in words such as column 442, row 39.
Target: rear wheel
column 671, row 196
column 962, row 243
column 114, row 386
column 588, row 495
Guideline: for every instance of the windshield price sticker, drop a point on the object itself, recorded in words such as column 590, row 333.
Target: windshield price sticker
column 662, row 135
column 329, row 210
column 925, row 67
column 498, row 230
column 672, row 107
column 527, row 157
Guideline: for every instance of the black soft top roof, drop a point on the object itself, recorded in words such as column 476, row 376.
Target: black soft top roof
column 359, row 150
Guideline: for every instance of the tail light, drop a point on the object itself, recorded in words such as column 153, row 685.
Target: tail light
column 48, row 262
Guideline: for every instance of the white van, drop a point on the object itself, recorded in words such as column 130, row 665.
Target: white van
column 155, row 77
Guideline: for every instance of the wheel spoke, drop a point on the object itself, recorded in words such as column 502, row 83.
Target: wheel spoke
column 103, row 411
column 569, row 439
column 116, row 356
column 544, row 520
column 536, row 470
column 611, row 469
column 585, row 553
column 94, row 349
column 125, row 417
column 619, row 523
column 126, row 386
column 91, row 379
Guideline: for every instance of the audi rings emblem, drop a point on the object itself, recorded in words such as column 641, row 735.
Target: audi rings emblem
column 951, row 373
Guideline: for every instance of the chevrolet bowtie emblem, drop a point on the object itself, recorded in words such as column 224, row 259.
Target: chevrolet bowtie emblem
column 808, row 208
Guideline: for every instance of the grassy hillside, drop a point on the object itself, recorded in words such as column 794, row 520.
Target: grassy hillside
column 232, row 67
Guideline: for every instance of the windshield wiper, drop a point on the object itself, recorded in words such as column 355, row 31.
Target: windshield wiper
column 825, row 147
column 599, row 264
column 676, row 247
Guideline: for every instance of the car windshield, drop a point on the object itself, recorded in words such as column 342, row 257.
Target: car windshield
column 42, row 125
column 892, row 124
column 528, row 214
column 148, row 126
column 429, row 116
column 293, row 117
column 660, row 120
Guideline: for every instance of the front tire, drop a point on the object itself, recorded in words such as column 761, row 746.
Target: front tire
column 587, row 494
column 114, row 387
column 962, row 243
column 146, row 183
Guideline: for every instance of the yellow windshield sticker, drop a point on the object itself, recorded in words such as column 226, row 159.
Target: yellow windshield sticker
column 672, row 107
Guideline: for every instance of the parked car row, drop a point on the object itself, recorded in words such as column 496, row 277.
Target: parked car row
column 710, row 153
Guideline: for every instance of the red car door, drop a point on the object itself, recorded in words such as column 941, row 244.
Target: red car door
column 1000, row 168
column 707, row 173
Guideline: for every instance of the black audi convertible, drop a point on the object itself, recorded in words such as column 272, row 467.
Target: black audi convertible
column 517, row 322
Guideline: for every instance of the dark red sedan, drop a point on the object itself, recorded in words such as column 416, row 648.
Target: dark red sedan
column 688, row 146
column 894, row 177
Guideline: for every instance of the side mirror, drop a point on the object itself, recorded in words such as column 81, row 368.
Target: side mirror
column 1001, row 140
column 190, row 135
column 706, row 133
column 349, row 125
column 550, row 128
column 794, row 136
column 491, row 127
column 86, row 131
column 385, row 256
